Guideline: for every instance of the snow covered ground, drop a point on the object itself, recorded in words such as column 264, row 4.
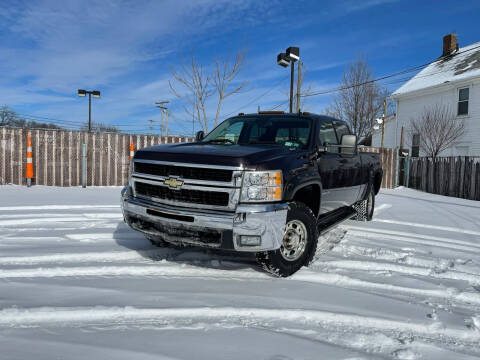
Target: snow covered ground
column 77, row 283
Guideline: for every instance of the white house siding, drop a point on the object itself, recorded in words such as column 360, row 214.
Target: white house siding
column 389, row 138
column 411, row 106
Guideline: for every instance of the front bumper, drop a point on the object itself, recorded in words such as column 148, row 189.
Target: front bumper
column 209, row 228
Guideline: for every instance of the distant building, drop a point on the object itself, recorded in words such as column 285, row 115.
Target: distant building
column 453, row 80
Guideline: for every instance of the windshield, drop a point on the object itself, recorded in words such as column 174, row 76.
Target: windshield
column 289, row 132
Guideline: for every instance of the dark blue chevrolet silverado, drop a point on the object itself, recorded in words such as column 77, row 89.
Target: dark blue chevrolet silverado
column 269, row 183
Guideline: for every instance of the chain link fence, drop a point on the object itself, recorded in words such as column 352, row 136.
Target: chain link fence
column 57, row 156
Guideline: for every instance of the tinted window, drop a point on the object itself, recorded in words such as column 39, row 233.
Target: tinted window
column 342, row 129
column 326, row 135
column 290, row 132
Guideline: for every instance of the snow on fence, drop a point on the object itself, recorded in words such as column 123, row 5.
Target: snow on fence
column 57, row 156
column 451, row 176
column 389, row 165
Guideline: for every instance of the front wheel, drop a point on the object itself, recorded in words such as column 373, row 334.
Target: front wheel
column 299, row 243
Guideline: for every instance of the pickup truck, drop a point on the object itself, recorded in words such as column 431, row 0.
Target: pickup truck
column 269, row 183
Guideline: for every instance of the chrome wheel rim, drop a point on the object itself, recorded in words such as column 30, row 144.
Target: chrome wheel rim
column 294, row 241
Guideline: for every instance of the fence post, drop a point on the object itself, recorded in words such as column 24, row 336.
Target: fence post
column 84, row 165
column 397, row 164
column 406, row 180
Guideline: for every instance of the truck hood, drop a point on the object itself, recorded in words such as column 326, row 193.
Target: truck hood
column 248, row 156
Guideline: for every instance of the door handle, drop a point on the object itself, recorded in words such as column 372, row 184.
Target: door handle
column 343, row 161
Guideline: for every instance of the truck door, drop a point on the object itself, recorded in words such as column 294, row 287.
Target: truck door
column 329, row 167
column 350, row 179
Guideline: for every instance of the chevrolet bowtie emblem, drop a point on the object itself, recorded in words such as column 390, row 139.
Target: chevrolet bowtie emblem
column 173, row 183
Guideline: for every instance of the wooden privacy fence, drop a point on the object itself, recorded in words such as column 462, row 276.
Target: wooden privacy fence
column 389, row 165
column 451, row 176
column 57, row 156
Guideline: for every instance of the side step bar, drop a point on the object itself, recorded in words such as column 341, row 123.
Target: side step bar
column 330, row 220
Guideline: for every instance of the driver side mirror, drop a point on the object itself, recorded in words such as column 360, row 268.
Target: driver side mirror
column 199, row 135
column 349, row 145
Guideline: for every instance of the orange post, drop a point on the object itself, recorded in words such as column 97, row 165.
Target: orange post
column 29, row 168
column 132, row 150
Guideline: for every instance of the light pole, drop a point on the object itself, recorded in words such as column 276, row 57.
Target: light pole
column 163, row 109
column 96, row 94
column 291, row 55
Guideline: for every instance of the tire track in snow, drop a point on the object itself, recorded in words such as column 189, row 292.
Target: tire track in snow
column 82, row 257
column 367, row 233
column 272, row 319
column 33, row 220
column 403, row 269
column 448, row 294
column 401, row 256
column 173, row 270
column 167, row 270
column 428, row 226
column 57, row 207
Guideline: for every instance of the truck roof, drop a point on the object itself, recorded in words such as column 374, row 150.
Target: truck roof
column 290, row 115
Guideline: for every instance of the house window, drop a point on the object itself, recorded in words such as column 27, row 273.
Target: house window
column 416, row 145
column 463, row 95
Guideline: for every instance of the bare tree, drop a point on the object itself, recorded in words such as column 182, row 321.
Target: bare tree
column 226, row 71
column 196, row 89
column 192, row 84
column 360, row 100
column 437, row 129
column 7, row 116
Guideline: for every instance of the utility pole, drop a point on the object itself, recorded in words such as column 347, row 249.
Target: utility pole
column 163, row 108
column 166, row 120
column 299, row 85
column 151, row 127
column 384, row 118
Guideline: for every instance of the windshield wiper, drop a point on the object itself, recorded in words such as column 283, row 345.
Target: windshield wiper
column 221, row 141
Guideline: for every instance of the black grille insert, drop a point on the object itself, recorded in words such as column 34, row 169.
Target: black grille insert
column 184, row 172
column 183, row 195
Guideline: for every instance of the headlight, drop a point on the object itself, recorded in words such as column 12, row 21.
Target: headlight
column 262, row 186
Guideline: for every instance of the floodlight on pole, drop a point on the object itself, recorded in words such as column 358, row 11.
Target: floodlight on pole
column 282, row 60
column 83, row 93
column 291, row 55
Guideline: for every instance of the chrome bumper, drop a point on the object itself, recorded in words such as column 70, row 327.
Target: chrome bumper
column 266, row 221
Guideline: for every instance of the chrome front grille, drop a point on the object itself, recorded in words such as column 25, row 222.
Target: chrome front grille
column 196, row 186
column 197, row 173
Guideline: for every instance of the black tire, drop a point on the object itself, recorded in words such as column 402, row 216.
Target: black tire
column 156, row 241
column 275, row 262
column 366, row 207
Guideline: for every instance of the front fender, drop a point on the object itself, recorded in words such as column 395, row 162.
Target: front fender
column 299, row 181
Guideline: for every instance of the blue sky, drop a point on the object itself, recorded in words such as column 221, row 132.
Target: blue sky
column 49, row 49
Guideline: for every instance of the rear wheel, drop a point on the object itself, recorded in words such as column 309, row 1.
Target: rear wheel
column 366, row 207
column 299, row 243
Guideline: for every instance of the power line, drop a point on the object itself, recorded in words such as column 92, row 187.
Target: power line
column 257, row 98
column 415, row 68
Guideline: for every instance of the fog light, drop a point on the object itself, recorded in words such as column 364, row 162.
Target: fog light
column 250, row 240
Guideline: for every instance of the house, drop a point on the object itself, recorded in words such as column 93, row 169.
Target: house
column 453, row 80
